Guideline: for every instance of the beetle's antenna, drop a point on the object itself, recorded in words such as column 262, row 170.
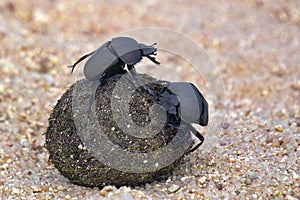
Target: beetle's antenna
column 79, row 60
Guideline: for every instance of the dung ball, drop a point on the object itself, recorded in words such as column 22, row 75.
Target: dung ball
column 129, row 137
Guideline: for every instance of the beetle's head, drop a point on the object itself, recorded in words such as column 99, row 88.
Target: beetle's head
column 148, row 51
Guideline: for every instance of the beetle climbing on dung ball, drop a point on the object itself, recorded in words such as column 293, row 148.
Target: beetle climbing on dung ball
column 111, row 58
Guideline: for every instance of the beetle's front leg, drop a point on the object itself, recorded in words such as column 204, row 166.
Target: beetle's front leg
column 132, row 71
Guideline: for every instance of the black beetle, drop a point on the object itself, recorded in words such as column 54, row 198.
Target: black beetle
column 111, row 58
column 193, row 106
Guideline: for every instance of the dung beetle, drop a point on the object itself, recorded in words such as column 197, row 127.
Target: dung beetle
column 193, row 106
column 111, row 58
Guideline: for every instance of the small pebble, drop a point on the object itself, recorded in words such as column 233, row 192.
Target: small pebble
column 296, row 85
column 36, row 189
column 126, row 190
column 225, row 125
column 15, row 191
column 24, row 142
column 60, row 188
column 5, row 166
column 237, row 168
column 43, row 188
column 279, row 128
column 106, row 190
column 295, row 176
column 23, row 115
column 183, row 179
column 248, row 181
column 276, row 142
column 219, row 186
column 202, row 180
column 173, row 188
column 289, row 197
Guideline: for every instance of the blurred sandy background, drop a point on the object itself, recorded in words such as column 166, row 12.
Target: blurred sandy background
column 254, row 45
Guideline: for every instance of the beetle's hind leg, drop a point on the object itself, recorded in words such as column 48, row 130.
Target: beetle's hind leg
column 132, row 71
column 198, row 135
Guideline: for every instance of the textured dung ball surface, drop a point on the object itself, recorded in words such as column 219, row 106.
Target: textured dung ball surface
column 75, row 161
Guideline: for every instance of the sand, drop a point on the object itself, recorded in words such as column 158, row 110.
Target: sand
column 252, row 84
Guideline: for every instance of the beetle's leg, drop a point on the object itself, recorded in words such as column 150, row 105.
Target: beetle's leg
column 132, row 71
column 80, row 59
column 93, row 96
column 198, row 135
column 153, row 59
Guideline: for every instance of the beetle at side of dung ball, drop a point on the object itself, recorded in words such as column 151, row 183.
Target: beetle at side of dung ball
column 111, row 58
column 193, row 107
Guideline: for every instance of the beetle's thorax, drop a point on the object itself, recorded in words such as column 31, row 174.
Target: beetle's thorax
column 126, row 49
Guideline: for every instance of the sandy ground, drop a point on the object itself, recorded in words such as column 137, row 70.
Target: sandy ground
column 252, row 144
